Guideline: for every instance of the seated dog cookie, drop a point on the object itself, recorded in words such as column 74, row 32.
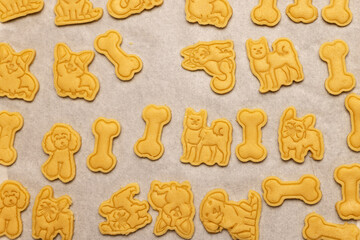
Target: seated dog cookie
column 337, row 12
column 266, row 13
column 12, row 9
column 125, row 8
column 352, row 104
column 302, row 11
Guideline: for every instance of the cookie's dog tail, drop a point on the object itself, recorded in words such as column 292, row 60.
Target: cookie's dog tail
column 222, row 128
column 284, row 47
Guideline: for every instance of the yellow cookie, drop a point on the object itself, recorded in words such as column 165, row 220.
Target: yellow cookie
column 352, row 104
column 70, row 12
column 150, row 145
column 124, row 214
column 14, row 198
column 302, row 11
column 61, row 143
column 337, row 12
column 307, row 189
column 276, row 68
column 175, row 203
column 16, row 80
column 241, row 219
column 52, row 216
column 126, row 65
column 205, row 12
column 11, row 9
column 251, row 149
column 10, row 123
column 266, row 13
column 298, row 136
column 203, row 144
column 123, row 9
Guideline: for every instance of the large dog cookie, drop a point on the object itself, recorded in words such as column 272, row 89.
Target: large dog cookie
column 52, row 216
column 61, row 143
column 71, row 75
column 203, row 144
column 123, row 9
column 352, row 104
column 16, row 80
column 126, row 65
column 175, row 203
column 205, row 12
column 307, row 189
column 11, row 9
column 251, row 149
column 102, row 159
column 14, row 198
column 70, row 12
column 337, row 12
column 10, row 123
column 216, row 58
column 124, row 214
column 150, row 145
column 298, row 136
column 266, row 13
column 240, row 219
column 276, row 68
column 302, row 11
column 339, row 80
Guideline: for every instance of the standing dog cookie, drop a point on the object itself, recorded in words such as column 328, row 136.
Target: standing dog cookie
column 125, row 8
column 11, row 9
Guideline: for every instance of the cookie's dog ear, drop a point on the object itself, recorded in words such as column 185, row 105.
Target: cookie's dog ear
column 48, row 143
column 309, row 121
column 289, row 114
column 73, row 142
column 5, row 53
column 22, row 199
column 63, row 52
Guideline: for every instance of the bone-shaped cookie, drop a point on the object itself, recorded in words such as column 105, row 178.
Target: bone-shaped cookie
column 337, row 12
column 302, row 11
column 251, row 149
column 317, row 228
column 150, row 145
column 126, row 65
column 307, row 189
column 339, row 79
column 266, row 13
column 10, row 123
column 102, row 159
column 352, row 104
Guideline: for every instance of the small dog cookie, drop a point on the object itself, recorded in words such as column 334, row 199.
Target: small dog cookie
column 339, row 80
column 276, row 68
column 10, row 123
column 126, row 65
column 307, row 189
column 297, row 136
column 122, row 9
column 175, row 203
column 52, row 216
column 16, row 80
column 302, row 11
column 150, row 145
column 14, row 198
column 124, row 214
column 70, row 12
column 205, row 12
column 337, row 12
column 240, row 219
column 352, row 104
column 61, row 143
column 266, row 13
column 71, row 75
column 11, row 9
column 216, row 58
column 102, row 159
column 317, row 228
column 203, row 144
column 251, row 149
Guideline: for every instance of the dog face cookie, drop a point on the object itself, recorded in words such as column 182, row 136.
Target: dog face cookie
column 352, row 104
column 175, row 203
column 216, row 58
column 266, row 13
column 61, row 143
column 123, row 9
column 302, row 11
column 52, row 216
column 203, row 144
column 276, row 68
column 11, row 9
column 241, row 219
column 124, row 214
column 337, row 12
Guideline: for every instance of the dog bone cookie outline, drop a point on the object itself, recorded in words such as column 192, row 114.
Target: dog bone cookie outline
column 240, row 219
column 298, row 136
column 267, row 66
column 251, row 149
column 196, row 135
column 14, row 198
column 126, row 65
column 352, row 104
column 122, row 9
column 302, row 11
column 16, row 80
column 150, row 145
column 204, row 12
column 337, row 12
column 52, row 216
column 124, row 214
column 60, row 143
column 317, row 228
column 175, row 203
column 266, row 13
column 12, row 9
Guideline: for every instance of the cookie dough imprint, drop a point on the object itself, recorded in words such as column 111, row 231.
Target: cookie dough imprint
column 11, row 9
column 123, row 9
column 240, row 219
column 352, row 104
column 337, row 12
column 16, row 80
column 302, row 11
column 150, row 145
column 124, row 214
column 52, row 216
column 126, row 65
column 266, row 13
column 216, row 58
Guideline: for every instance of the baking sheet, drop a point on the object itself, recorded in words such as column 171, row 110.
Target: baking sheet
column 157, row 36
